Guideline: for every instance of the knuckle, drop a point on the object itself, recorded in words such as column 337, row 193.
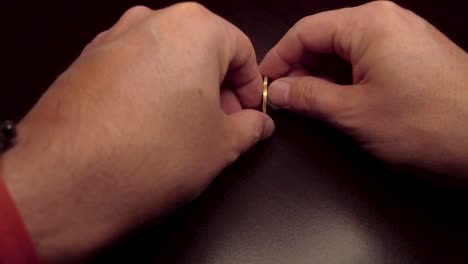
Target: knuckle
column 135, row 11
column 190, row 10
column 99, row 36
column 231, row 156
column 189, row 15
column 250, row 135
column 349, row 105
column 231, row 151
column 386, row 10
column 386, row 5
column 127, row 19
column 96, row 41
column 301, row 23
column 304, row 98
column 257, row 131
column 388, row 19
column 382, row 18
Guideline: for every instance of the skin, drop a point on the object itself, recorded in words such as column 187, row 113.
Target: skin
column 153, row 110
column 408, row 100
column 144, row 120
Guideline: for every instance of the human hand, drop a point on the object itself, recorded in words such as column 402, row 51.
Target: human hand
column 408, row 103
column 147, row 116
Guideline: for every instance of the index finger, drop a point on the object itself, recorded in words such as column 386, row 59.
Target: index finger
column 243, row 74
column 321, row 33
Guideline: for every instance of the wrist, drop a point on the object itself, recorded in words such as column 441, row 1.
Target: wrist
column 39, row 180
column 22, row 170
column 15, row 243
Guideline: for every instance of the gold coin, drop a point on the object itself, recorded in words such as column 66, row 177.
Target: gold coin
column 265, row 94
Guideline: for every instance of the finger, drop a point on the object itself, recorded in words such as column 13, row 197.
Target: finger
column 99, row 37
column 131, row 17
column 246, row 128
column 229, row 102
column 96, row 41
column 320, row 33
column 298, row 70
column 313, row 96
column 243, row 74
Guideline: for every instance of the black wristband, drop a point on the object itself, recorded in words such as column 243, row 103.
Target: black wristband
column 7, row 134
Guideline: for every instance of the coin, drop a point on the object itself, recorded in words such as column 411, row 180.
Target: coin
column 265, row 94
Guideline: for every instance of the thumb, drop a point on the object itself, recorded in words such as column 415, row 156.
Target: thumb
column 247, row 127
column 312, row 96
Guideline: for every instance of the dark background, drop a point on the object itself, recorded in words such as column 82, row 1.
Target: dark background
column 308, row 195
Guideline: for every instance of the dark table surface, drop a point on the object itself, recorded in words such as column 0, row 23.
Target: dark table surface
column 308, row 195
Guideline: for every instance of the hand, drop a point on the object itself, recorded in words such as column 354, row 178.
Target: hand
column 147, row 116
column 408, row 103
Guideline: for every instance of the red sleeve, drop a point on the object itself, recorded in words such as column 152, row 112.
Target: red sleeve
column 16, row 246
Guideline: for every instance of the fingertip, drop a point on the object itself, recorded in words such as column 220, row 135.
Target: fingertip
column 268, row 127
column 248, row 127
column 278, row 92
column 273, row 65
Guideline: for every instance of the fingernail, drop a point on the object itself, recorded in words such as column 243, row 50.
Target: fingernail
column 278, row 93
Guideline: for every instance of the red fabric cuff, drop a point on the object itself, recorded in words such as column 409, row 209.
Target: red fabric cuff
column 16, row 246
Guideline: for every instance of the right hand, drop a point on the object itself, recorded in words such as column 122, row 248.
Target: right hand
column 408, row 103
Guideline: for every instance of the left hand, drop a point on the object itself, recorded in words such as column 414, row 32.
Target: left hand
column 147, row 116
